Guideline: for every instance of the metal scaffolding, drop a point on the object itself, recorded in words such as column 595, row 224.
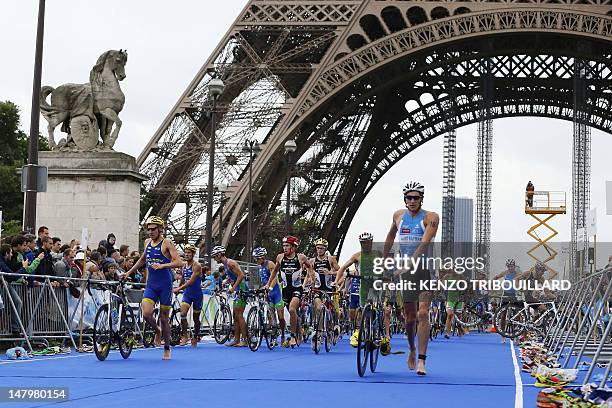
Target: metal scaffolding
column 448, row 192
column 581, row 173
column 484, row 173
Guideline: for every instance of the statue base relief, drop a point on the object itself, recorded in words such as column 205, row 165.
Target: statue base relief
column 97, row 190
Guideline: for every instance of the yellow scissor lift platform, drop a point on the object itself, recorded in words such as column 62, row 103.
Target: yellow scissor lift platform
column 543, row 206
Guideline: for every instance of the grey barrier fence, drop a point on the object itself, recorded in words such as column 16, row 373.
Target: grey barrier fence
column 48, row 313
column 582, row 332
column 45, row 312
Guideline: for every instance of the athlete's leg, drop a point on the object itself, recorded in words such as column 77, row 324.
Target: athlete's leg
column 450, row 318
column 147, row 313
column 240, row 326
column 164, row 313
column 184, row 325
column 387, row 320
column 196, row 328
column 293, row 317
column 424, row 326
column 410, row 315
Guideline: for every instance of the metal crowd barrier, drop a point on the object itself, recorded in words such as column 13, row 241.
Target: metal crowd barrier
column 45, row 310
column 583, row 327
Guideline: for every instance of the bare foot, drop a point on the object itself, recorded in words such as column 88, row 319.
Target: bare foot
column 194, row 342
column 412, row 359
column 421, row 369
column 166, row 354
column 157, row 340
column 184, row 340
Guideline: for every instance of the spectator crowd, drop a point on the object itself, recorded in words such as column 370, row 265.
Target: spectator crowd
column 44, row 255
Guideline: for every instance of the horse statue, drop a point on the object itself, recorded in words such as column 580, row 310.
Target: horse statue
column 88, row 111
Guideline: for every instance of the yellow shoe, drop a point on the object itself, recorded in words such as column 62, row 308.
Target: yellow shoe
column 385, row 346
column 354, row 337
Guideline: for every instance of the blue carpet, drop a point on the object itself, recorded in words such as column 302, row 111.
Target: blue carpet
column 473, row 371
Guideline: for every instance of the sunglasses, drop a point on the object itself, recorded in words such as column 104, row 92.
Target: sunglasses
column 411, row 198
column 151, row 229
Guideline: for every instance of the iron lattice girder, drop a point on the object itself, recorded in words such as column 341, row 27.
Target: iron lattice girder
column 341, row 79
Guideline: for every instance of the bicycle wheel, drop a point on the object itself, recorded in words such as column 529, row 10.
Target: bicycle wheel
column 253, row 329
column 328, row 329
column 223, row 324
column 306, row 323
column 375, row 338
column 270, row 327
column 510, row 320
column 317, row 336
column 102, row 334
column 363, row 347
column 126, row 335
column 148, row 332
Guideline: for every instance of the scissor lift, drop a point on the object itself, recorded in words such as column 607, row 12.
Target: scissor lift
column 543, row 206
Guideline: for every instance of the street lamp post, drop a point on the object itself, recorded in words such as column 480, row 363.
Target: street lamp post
column 252, row 147
column 222, row 189
column 29, row 208
column 290, row 147
column 215, row 89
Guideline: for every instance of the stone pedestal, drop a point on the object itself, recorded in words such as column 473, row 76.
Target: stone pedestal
column 96, row 190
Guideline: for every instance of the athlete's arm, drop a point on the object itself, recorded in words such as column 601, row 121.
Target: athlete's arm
column 196, row 272
column 501, row 275
column 274, row 273
column 234, row 267
column 139, row 263
column 334, row 264
column 352, row 260
column 309, row 271
column 391, row 234
column 271, row 282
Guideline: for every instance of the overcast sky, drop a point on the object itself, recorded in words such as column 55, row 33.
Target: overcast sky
column 168, row 42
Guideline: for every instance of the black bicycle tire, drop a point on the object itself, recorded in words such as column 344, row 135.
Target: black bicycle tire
column 503, row 330
column 221, row 335
column 125, row 353
column 100, row 354
column 253, row 317
column 375, row 343
column 362, row 344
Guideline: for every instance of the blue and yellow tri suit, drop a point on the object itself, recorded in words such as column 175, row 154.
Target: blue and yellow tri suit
column 274, row 297
column 193, row 293
column 159, row 282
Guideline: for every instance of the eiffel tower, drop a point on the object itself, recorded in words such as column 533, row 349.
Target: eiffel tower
column 358, row 84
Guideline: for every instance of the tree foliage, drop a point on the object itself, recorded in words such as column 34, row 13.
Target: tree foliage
column 13, row 155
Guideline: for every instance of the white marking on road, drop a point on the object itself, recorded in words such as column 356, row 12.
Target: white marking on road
column 518, row 394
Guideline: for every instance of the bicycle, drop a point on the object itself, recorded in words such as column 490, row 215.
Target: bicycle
column 262, row 322
column 324, row 323
column 223, row 326
column 511, row 320
column 370, row 332
column 475, row 314
column 115, row 322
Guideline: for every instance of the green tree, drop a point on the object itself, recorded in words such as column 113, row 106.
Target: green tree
column 13, row 155
column 270, row 237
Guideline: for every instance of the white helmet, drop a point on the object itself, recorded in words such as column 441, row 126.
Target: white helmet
column 219, row 249
column 414, row 186
column 366, row 236
column 259, row 252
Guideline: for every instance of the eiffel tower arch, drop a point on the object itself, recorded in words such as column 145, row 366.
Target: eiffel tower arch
column 358, row 84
